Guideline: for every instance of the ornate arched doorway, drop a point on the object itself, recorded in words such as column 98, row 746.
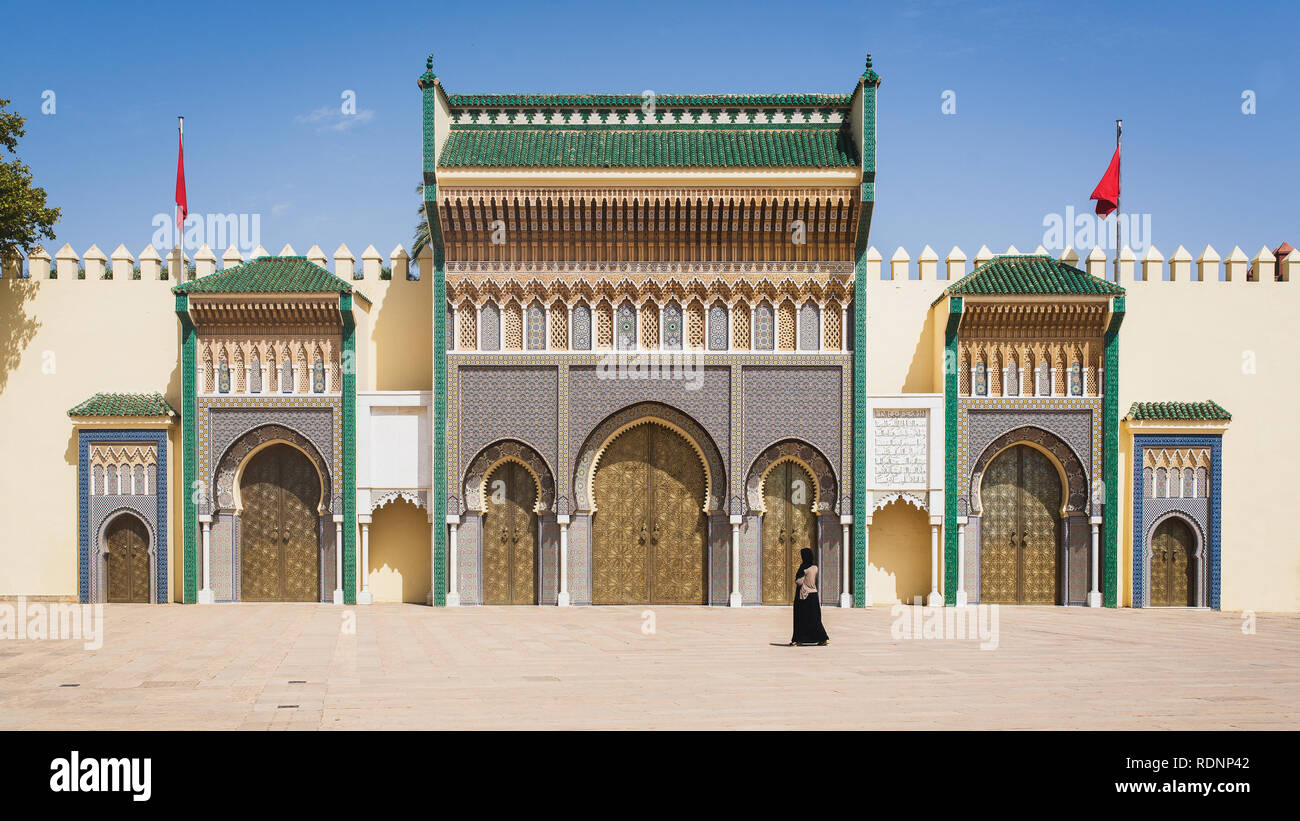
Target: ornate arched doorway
column 1021, row 528
column 510, row 535
column 789, row 526
column 280, row 527
column 649, row 532
column 1173, row 564
column 127, row 560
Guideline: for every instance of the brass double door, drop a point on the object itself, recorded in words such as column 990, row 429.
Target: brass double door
column 280, row 527
column 1173, row 565
column 510, row 537
column 127, row 558
column 649, row 532
column 1021, row 528
column 788, row 527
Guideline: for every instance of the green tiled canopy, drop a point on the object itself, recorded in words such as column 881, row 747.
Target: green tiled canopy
column 583, row 100
column 268, row 275
column 1030, row 275
column 824, row 147
column 124, row 404
column 1209, row 410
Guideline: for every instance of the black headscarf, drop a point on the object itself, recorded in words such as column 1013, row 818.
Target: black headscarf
column 807, row 560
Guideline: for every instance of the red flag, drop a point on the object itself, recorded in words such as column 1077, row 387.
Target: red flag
column 1107, row 191
column 180, row 176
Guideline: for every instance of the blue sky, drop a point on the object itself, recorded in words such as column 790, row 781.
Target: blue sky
column 1037, row 89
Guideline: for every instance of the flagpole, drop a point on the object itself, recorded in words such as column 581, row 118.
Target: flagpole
column 180, row 221
column 1119, row 177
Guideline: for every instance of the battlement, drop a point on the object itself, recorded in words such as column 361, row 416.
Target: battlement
column 151, row 266
column 1152, row 266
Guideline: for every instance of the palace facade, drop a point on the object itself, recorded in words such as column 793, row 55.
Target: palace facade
column 647, row 355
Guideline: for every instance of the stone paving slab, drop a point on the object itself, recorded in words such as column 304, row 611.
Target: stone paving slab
column 411, row 667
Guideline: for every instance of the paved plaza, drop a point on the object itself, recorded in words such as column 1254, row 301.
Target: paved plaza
column 300, row 666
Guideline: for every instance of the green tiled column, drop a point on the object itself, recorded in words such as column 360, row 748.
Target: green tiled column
column 429, row 95
column 349, row 546
column 950, row 479
column 189, row 451
column 1110, row 456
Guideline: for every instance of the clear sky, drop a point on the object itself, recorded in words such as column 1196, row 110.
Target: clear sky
column 1037, row 87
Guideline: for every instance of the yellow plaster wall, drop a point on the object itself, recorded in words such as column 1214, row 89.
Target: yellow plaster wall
column 394, row 333
column 899, row 565
column 61, row 341
column 1196, row 340
column 399, row 553
column 901, row 349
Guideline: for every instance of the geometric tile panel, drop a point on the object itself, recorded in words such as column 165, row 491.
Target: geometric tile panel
column 1205, row 515
column 770, row 415
column 92, row 513
column 501, row 402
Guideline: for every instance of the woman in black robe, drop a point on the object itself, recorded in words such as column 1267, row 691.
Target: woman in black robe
column 807, row 609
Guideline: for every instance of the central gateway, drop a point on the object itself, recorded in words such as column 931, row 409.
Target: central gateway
column 280, row 542
column 1022, row 497
column 649, row 530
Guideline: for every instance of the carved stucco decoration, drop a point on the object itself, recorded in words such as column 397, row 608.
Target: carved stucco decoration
column 235, row 455
column 803, row 454
column 508, row 451
column 649, row 413
column 378, row 499
column 920, row 501
column 1077, row 495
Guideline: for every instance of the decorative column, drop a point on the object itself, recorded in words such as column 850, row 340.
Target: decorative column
column 1094, row 595
column 453, row 522
column 363, row 573
column 562, row 599
column 205, row 595
column 735, row 599
column 846, row 519
column 963, row 511
column 338, row 558
column 936, row 598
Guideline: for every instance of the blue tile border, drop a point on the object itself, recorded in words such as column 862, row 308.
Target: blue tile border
column 1140, row 444
column 159, row 439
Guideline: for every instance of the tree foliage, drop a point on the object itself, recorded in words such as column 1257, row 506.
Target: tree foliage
column 24, row 217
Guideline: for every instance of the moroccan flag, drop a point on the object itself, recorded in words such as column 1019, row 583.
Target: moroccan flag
column 1107, row 191
column 181, row 204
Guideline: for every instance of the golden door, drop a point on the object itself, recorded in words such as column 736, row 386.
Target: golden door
column 279, row 539
column 1020, row 528
column 1173, row 566
column 649, row 532
column 128, row 560
column 788, row 527
column 510, row 537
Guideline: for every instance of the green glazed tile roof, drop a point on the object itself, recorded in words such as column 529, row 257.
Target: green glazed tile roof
column 1209, row 410
column 582, row 100
column 803, row 148
column 124, row 404
column 1030, row 275
column 268, row 275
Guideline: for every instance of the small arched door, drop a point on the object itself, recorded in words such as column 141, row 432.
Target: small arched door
column 1020, row 528
column 127, row 558
column 788, row 527
column 510, row 536
column 279, row 540
column 1173, row 565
